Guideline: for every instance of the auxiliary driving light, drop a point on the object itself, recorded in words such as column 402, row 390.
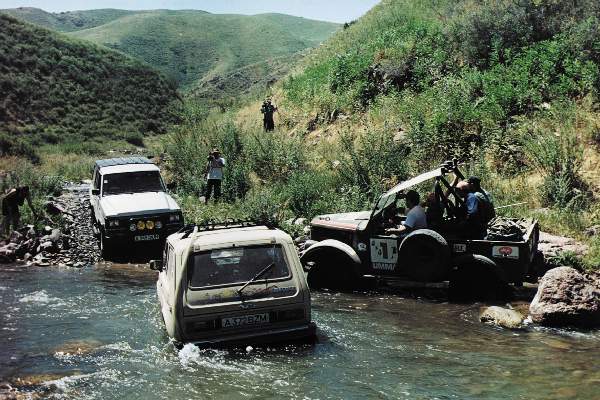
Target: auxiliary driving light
column 141, row 225
column 158, row 224
column 150, row 224
column 174, row 217
column 132, row 227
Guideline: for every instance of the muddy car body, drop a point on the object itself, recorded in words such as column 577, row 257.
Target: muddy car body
column 347, row 247
column 130, row 205
column 233, row 285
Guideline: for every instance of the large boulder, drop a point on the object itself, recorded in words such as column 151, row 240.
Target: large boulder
column 567, row 297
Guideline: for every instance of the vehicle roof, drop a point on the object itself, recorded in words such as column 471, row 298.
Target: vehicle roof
column 120, row 169
column 216, row 238
column 108, row 162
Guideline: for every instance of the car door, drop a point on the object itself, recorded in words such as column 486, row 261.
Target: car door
column 383, row 253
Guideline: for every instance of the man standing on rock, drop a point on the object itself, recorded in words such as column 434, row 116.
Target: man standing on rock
column 11, row 202
column 268, row 109
column 214, row 175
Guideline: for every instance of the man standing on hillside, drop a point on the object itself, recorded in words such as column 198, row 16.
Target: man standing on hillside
column 268, row 109
column 214, row 175
column 11, row 202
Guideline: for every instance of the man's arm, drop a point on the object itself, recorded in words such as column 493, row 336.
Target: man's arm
column 28, row 198
column 221, row 162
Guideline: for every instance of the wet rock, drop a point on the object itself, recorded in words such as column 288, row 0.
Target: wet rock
column 7, row 392
column 567, row 297
column 78, row 347
column 16, row 237
column 504, row 317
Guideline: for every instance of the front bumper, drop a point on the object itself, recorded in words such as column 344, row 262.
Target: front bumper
column 124, row 235
column 272, row 336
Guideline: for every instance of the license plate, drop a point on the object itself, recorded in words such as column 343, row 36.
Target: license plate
column 505, row 252
column 145, row 238
column 245, row 320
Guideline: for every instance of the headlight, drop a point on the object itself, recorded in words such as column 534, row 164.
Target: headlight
column 113, row 223
column 150, row 224
column 141, row 225
column 158, row 224
column 132, row 227
column 174, row 218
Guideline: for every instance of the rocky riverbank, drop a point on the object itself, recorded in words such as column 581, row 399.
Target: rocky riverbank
column 67, row 240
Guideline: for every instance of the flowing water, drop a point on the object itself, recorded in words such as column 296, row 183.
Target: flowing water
column 96, row 333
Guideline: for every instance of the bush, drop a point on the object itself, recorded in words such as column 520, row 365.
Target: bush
column 558, row 157
column 134, row 138
column 16, row 146
column 265, row 205
column 309, row 193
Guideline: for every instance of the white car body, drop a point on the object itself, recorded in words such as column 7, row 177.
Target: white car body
column 266, row 310
column 114, row 214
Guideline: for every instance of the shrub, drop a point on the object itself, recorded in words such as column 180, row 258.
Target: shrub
column 17, row 146
column 134, row 138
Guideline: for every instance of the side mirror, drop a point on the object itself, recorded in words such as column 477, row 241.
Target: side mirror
column 95, row 192
column 156, row 265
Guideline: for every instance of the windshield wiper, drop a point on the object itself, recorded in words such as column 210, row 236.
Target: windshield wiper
column 255, row 277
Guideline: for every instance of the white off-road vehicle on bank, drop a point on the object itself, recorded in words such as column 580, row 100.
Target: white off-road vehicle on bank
column 130, row 205
column 240, row 283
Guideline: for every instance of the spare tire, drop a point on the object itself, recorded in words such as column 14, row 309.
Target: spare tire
column 332, row 269
column 425, row 256
column 476, row 277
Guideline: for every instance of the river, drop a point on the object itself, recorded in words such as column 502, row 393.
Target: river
column 96, row 333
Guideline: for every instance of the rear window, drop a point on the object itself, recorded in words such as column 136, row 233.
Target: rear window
column 237, row 265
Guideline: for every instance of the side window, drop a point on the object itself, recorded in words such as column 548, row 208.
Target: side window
column 97, row 180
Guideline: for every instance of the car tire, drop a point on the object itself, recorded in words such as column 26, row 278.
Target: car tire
column 424, row 256
column 476, row 277
column 332, row 269
column 106, row 248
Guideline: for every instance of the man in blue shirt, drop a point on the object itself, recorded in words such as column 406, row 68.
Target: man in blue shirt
column 472, row 227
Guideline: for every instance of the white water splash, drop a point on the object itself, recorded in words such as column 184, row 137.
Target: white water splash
column 37, row 297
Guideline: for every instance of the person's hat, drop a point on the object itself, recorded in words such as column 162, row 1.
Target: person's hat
column 474, row 180
column 215, row 150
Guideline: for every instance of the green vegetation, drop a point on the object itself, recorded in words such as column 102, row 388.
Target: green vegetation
column 66, row 21
column 54, row 89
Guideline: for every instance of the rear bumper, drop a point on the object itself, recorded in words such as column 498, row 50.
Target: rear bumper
column 301, row 333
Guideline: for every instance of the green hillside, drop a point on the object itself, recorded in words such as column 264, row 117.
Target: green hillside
column 189, row 46
column 66, row 21
column 54, row 87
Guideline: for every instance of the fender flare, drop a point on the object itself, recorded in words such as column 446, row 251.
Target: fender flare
column 330, row 244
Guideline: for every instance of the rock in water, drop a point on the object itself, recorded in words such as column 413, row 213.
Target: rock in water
column 503, row 317
column 566, row 297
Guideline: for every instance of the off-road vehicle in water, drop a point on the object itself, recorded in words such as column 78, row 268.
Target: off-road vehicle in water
column 347, row 247
column 130, row 205
column 236, row 283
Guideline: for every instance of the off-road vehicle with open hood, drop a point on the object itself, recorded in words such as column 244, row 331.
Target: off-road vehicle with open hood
column 130, row 204
column 234, row 283
column 344, row 248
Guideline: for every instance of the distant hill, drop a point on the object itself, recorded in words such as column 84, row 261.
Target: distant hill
column 66, row 21
column 192, row 47
column 58, row 86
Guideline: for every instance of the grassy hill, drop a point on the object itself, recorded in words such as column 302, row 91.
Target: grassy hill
column 54, row 89
column 192, row 47
column 66, row 21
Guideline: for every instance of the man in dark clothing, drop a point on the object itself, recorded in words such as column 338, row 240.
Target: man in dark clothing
column 434, row 212
column 472, row 226
column 268, row 110
column 488, row 211
column 11, row 202
column 214, row 175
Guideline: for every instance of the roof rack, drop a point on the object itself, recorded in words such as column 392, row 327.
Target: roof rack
column 213, row 225
column 109, row 162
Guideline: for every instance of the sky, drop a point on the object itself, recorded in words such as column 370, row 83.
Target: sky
column 326, row 10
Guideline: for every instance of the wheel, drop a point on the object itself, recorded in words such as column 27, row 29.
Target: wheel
column 475, row 277
column 424, row 256
column 106, row 248
column 333, row 270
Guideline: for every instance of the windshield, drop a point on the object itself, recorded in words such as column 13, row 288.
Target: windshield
column 237, row 265
column 132, row 182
